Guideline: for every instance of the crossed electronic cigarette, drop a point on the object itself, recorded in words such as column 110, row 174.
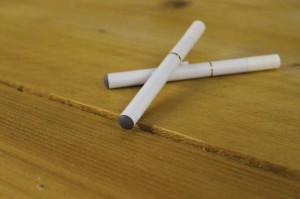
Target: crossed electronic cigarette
column 173, row 69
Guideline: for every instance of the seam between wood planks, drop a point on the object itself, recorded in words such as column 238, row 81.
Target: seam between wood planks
column 252, row 162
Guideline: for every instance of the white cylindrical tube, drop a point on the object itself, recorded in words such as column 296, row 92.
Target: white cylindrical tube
column 192, row 71
column 157, row 80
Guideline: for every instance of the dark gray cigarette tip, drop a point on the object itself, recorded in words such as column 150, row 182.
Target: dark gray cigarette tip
column 126, row 122
column 106, row 82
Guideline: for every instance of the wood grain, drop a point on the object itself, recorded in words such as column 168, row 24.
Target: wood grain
column 53, row 151
column 226, row 137
column 66, row 47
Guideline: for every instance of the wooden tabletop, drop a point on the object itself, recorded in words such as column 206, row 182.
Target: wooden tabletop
column 224, row 137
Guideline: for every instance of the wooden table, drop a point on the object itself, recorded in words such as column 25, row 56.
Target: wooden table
column 234, row 136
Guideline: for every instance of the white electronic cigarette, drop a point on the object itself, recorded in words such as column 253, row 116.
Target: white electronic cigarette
column 157, row 80
column 191, row 71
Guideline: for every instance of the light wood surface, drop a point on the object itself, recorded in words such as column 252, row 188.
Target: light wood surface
column 58, row 52
column 47, row 151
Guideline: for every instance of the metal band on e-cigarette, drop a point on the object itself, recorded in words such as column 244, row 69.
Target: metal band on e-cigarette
column 211, row 69
column 174, row 53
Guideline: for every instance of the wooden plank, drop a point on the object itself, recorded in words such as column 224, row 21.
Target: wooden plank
column 66, row 47
column 52, row 150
